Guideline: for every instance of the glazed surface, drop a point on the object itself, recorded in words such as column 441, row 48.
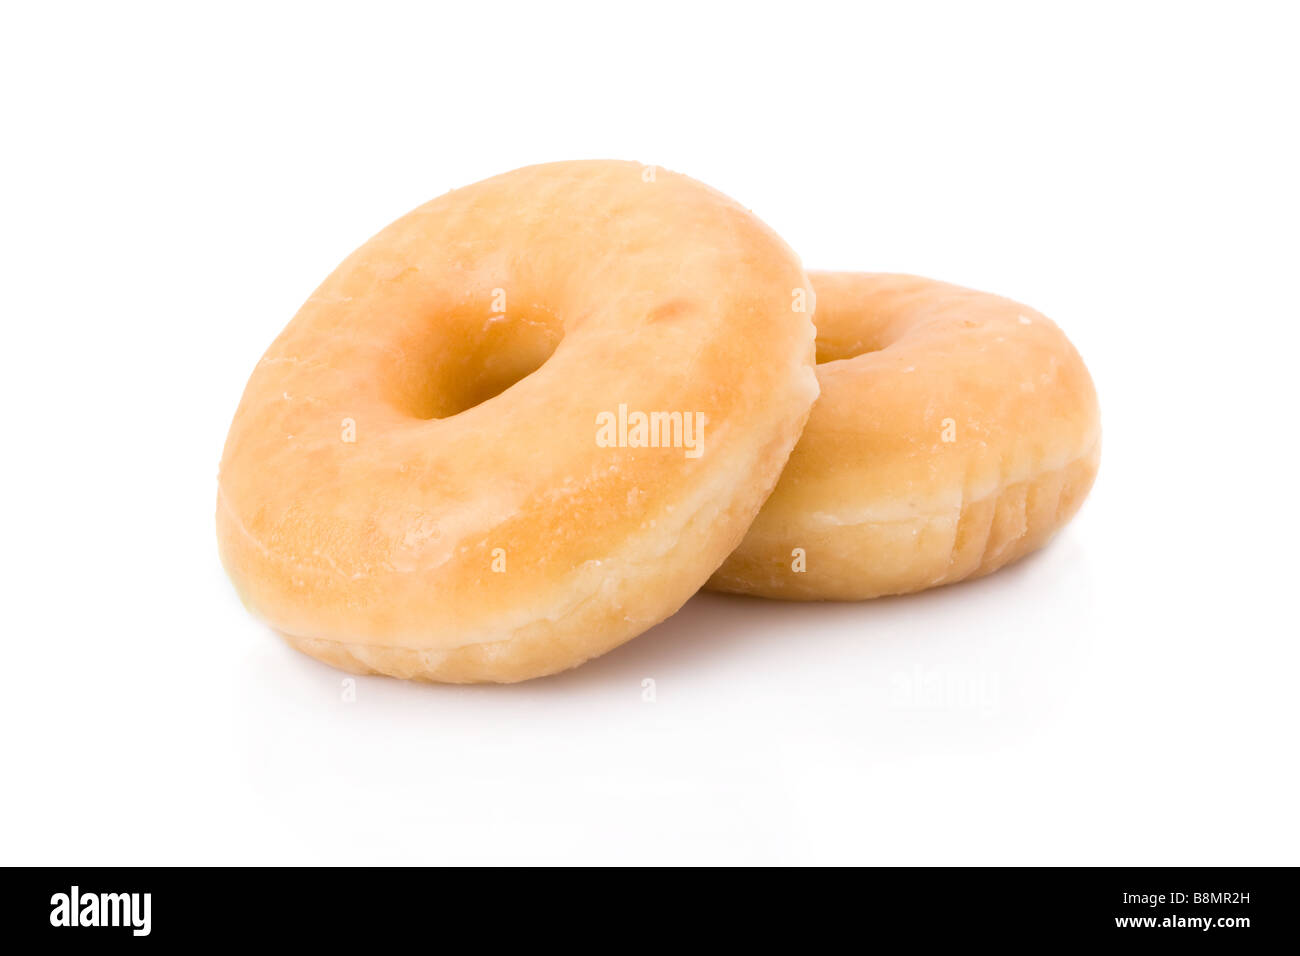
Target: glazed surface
column 412, row 483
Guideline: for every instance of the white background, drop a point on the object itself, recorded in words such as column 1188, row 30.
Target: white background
column 176, row 182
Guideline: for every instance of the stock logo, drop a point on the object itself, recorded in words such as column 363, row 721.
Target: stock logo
column 102, row 910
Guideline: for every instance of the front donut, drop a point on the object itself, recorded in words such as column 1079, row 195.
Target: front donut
column 519, row 426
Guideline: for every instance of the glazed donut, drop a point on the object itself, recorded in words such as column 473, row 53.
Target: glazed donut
column 956, row 431
column 519, row 426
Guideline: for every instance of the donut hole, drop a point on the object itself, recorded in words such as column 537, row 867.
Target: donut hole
column 832, row 350
column 473, row 360
column 491, row 375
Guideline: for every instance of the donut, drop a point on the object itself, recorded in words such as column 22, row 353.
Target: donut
column 519, row 426
column 956, row 432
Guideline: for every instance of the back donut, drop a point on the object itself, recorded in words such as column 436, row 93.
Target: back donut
column 956, row 432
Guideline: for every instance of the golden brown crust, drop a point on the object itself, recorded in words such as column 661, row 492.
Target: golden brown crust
column 469, row 535
column 956, row 432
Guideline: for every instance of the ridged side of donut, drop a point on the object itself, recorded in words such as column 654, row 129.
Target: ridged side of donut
column 874, row 559
column 1022, row 518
